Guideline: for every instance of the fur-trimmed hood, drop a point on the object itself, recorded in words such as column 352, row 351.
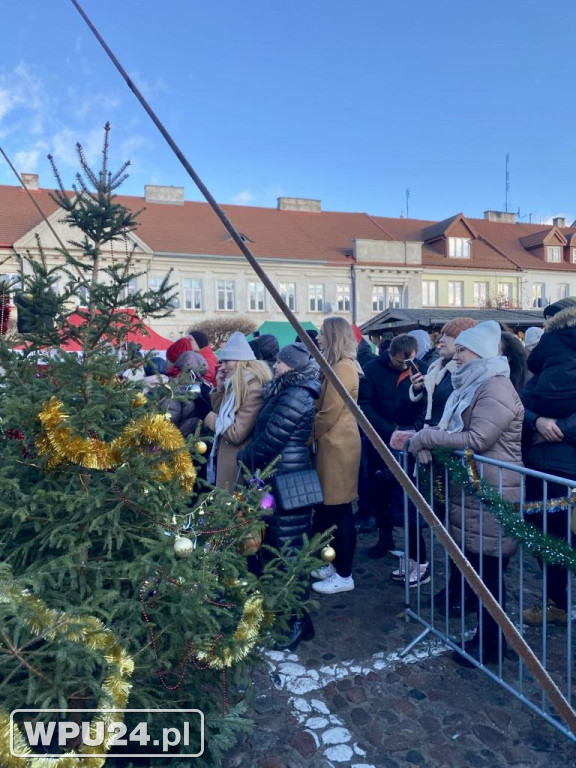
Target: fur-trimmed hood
column 566, row 318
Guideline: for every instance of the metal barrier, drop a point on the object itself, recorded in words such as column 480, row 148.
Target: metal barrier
column 448, row 609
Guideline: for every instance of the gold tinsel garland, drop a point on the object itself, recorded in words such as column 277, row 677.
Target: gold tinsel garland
column 90, row 632
column 245, row 637
column 60, row 444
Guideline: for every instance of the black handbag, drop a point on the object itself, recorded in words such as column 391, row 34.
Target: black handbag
column 298, row 489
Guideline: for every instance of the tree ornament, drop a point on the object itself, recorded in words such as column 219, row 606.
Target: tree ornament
column 268, row 502
column 183, row 547
column 328, row 554
column 200, row 447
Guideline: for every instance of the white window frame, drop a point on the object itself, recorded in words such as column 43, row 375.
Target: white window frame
column 506, row 291
column 563, row 291
column 456, row 293
column 256, row 296
column 84, row 295
column 386, row 296
column 225, row 295
column 429, row 293
column 553, row 254
column 13, row 279
column 316, row 299
column 538, row 294
column 154, row 282
column 288, row 293
column 343, row 298
column 459, row 247
column 481, row 293
column 192, row 293
column 131, row 288
column 574, row 255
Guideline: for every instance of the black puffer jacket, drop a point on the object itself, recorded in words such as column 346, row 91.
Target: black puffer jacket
column 553, row 361
column 283, row 429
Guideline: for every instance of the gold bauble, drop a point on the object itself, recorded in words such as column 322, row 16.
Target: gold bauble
column 328, row 554
column 200, row 447
column 183, row 547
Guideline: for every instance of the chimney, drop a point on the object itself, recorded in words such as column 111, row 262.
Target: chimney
column 299, row 204
column 559, row 221
column 501, row 216
column 30, row 180
column 169, row 195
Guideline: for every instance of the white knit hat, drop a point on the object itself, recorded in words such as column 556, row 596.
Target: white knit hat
column 533, row 335
column 483, row 339
column 237, row 348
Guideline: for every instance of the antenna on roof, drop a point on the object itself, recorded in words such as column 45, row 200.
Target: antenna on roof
column 507, row 199
column 407, row 203
column 523, row 216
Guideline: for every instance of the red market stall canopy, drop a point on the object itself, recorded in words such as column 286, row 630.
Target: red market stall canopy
column 142, row 334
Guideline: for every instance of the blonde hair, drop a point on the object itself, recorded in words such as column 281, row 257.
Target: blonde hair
column 339, row 340
column 248, row 370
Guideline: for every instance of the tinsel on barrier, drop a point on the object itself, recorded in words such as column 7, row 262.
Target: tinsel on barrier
column 88, row 631
column 550, row 549
column 152, row 430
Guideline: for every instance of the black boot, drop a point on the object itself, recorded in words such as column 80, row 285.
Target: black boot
column 301, row 628
column 454, row 603
column 385, row 544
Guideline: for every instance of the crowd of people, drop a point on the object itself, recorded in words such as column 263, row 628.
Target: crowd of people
column 478, row 386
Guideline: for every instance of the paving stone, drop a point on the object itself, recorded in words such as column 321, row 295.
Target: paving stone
column 304, row 743
column 272, row 762
column 356, row 695
column 414, row 757
column 487, row 735
column 414, row 693
column 397, row 742
column 359, row 716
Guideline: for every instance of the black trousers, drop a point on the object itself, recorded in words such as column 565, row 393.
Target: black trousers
column 488, row 568
column 342, row 516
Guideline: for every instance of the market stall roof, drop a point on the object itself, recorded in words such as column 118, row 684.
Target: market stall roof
column 282, row 329
column 433, row 319
column 145, row 336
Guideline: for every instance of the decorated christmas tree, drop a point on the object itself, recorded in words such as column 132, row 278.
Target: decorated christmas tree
column 124, row 580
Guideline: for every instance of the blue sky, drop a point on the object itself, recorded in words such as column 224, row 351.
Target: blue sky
column 349, row 102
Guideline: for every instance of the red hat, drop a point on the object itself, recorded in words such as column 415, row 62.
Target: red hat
column 175, row 350
column 357, row 333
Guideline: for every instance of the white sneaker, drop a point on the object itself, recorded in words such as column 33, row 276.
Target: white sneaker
column 324, row 572
column 400, row 573
column 333, row 584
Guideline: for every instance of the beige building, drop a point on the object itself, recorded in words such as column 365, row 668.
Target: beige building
column 322, row 262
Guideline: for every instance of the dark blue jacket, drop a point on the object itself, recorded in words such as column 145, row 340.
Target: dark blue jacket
column 283, row 429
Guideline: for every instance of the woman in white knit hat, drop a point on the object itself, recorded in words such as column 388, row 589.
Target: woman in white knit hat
column 484, row 414
column 236, row 403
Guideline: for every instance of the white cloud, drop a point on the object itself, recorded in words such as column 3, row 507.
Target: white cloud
column 26, row 160
column 243, row 198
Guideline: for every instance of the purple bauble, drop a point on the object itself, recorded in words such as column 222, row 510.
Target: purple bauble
column 268, row 502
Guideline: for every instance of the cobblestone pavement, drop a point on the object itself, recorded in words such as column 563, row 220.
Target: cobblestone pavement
column 347, row 698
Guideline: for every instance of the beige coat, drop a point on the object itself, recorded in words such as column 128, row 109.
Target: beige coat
column 235, row 437
column 337, row 438
column 492, row 428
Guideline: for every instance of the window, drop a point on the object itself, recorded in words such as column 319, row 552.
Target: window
column 288, row 293
column 84, row 294
column 574, row 255
column 225, row 295
column 316, row 297
column 538, row 295
column 480, row 294
column 343, row 298
column 505, row 291
column 456, row 294
column 192, row 288
column 10, row 281
column 459, row 247
column 154, row 283
column 429, row 293
column 131, row 288
column 563, row 291
column 256, row 297
column 553, row 253
column 386, row 297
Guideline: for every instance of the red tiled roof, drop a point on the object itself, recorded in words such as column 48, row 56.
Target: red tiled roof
column 193, row 228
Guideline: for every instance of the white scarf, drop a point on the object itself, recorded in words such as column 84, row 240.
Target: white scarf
column 465, row 382
column 225, row 418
